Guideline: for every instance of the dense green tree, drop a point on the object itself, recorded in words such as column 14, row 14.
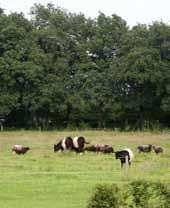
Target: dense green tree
column 160, row 40
column 139, row 78
column 61, row 69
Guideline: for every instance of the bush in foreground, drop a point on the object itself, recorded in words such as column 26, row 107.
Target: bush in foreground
column 106, row 196
column 146, row 194
column 138, row 194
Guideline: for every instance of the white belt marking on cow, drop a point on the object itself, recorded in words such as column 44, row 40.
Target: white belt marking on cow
column 75, row 142
column 63, row 144
column 18, row 146
column 131, row 155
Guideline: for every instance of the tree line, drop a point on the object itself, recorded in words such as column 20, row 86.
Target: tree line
column 64, row 70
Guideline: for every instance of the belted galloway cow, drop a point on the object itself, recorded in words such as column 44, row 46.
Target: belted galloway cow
column 79, row 143
column 123, row 154
column 64, row 144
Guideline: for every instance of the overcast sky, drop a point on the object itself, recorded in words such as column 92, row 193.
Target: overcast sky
column 133, row 11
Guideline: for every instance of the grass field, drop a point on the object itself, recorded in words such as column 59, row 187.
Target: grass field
column 44, row 179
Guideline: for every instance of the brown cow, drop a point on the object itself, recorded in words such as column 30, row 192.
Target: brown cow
column 19, row 149
column 103, row 148
column 106, row 149
column 158, row 149
column 145, row 148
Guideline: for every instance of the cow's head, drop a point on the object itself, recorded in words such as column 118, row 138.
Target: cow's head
column 150, row 146
column 111, row 150
column 57, row 147
column 116, row 155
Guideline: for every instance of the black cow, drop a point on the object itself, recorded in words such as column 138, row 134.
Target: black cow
column 64, row 144
column 19, row 149
column 121, row 155
column 145, row 148
column 78, row 144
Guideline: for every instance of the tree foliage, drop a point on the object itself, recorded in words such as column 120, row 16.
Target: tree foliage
column 61, row 69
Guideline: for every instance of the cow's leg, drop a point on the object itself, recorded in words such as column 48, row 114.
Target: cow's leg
column 121, row 164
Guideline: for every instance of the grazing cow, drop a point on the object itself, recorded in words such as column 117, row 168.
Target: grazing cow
column 106, row 149
column 145, row 148
column 121, row 155
column 90, row 148
column 94, row 148
column 157, row 149
column 78, row 144
column 19, row 149
column 64, row 144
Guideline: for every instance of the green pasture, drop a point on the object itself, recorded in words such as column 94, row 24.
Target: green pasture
column 44, row 179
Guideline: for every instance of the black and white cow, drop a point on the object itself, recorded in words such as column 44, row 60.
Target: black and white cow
column 79, row 143
column 123, row 154
column 64, row 144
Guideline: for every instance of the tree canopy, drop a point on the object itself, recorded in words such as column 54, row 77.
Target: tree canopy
column 61, row 69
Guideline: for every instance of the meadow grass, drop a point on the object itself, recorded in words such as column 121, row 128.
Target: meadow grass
column 44, row 179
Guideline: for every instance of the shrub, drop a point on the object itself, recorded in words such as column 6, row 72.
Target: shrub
column 106, row 196
column 149, row 195
column 138, row 194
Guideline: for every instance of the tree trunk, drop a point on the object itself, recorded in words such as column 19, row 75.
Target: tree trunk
column 2, row 128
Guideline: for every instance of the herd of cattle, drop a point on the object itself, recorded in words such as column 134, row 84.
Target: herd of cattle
column 77, row 144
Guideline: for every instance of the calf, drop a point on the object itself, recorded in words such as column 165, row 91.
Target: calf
column 78, row 144
column 64, row 144
column 157, row 149
column 19, row 149
column 121, row 155
column 145, row 148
